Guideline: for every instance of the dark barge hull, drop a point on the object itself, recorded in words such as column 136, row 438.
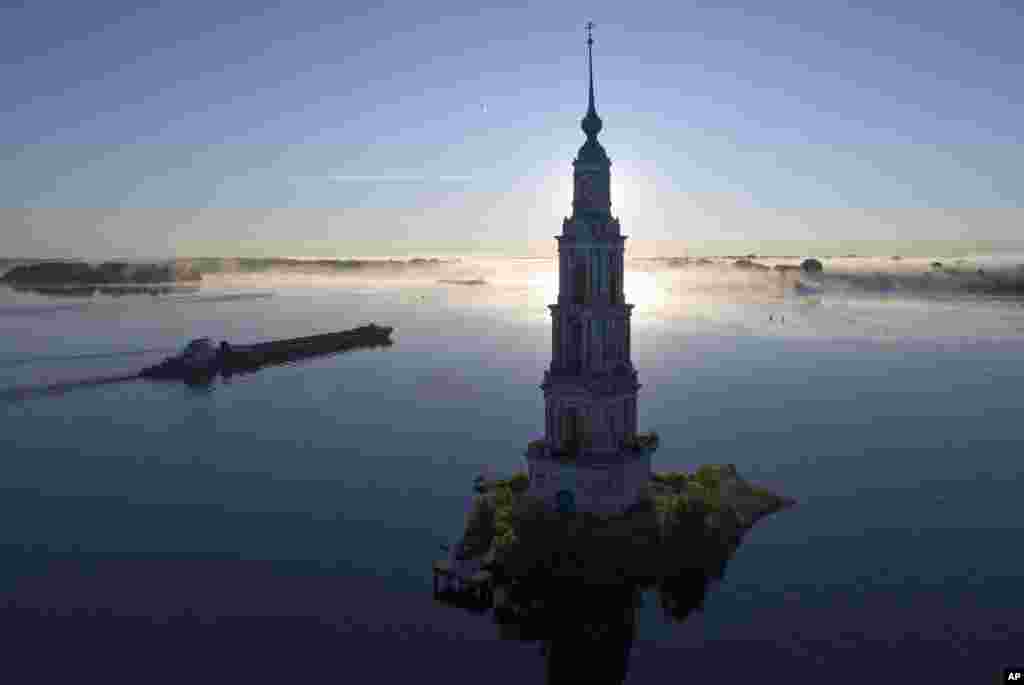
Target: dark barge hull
column 252, row 357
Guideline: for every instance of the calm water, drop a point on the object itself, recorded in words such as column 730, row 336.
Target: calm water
column 319, row 493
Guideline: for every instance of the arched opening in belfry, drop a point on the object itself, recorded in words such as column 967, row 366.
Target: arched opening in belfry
column 576, row 346
column 580, row 278
column 573, row 430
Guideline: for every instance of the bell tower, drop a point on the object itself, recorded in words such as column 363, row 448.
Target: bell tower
column 589, row 453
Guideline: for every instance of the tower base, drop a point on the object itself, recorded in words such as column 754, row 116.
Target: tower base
column 604, row 484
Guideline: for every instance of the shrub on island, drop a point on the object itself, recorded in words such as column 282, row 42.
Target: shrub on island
column 641, row 441
column 811, row 266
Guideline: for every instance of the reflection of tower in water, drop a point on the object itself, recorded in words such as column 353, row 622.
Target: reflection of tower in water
column 590, row 459
column 587, row 632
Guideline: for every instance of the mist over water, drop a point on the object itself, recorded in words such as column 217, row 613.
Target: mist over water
column 870, row 298
column 91, row 334
column 852, row 297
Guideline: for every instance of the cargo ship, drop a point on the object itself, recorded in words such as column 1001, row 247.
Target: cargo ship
column 202, row 360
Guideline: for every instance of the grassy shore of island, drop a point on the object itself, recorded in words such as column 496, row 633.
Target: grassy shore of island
column 684, row 521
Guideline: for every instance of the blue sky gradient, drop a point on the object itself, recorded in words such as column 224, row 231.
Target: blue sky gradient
column 718, row 120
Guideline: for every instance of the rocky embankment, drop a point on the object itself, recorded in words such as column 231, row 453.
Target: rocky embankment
column 82, row 273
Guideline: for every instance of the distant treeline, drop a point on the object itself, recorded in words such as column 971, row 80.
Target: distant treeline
column 81, row 273
column 937, row 277
column 212, row 265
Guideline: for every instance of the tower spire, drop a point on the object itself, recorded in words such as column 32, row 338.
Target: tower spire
column 590, row 65
column 591, row 123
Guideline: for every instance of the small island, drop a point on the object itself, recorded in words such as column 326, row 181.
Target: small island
column 574, row 582
column 682, row 519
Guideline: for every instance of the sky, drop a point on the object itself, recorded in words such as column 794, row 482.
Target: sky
column 324, row 128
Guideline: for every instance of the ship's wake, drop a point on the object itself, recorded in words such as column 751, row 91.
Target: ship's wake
column 28, row 392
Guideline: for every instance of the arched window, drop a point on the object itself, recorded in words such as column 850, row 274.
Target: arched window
column 572, row 430
column 580, row 278
column 556, row 342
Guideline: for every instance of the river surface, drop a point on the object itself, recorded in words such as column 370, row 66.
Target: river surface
column 312, row 498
